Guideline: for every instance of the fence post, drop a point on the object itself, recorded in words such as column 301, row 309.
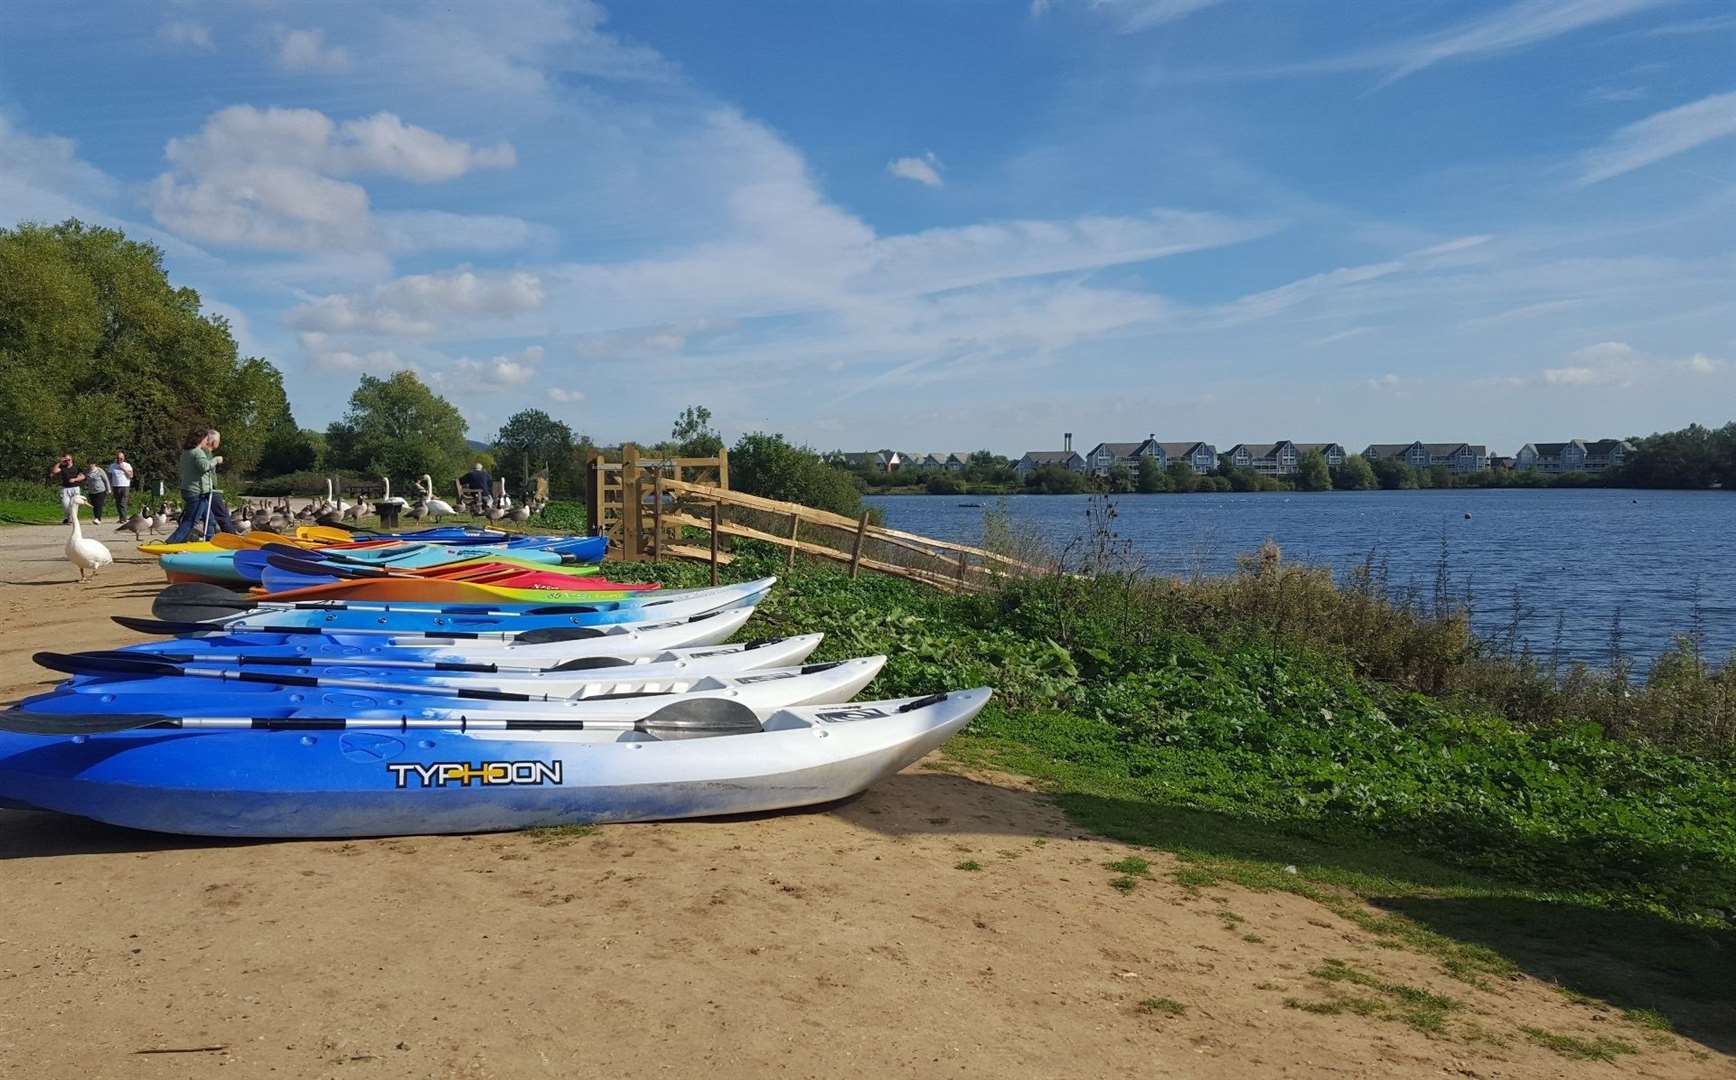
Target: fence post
column 723, row 467
column 715, row 507
column 790, row 556
column 594, row 492
column 632, row 503
column 856, row 549
column 657, row 518
column 963, row 565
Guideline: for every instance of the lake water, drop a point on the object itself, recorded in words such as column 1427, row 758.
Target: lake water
column 1581, row 555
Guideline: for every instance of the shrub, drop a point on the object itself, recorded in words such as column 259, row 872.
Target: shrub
column 771, row 467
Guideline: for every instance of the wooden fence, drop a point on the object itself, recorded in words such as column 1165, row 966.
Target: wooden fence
column 617, row 485
column 672, row 505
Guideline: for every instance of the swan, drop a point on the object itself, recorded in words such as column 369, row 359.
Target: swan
column 334, row 504
column 87, row 555
column 438, row 507
column 388, row 497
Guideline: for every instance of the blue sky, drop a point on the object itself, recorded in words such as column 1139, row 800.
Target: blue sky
column 932, row 226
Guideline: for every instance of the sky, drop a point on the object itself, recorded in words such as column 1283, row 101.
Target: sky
column 932, row 226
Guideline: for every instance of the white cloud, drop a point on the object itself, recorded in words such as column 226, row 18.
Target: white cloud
column 323, row 355
column 43, row 178
column 306, row 50
column 186, row 32
column 562, row 394
column 501, row 372
column 273, row 178
column 1617, row 94
column 1701, row 364
column 924, row 170
column 1342, row 335
column 1389, row 381
column 415, row 305
column 1132, row 16
column 1661, row 135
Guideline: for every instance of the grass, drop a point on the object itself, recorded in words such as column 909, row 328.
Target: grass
column 1568, row 1046
column 24, row 503
column 559, row 834
column 1426, row 822
column 968, row 864
column 1162, row 1005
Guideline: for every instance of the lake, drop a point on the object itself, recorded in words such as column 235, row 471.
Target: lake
column 1582, row 555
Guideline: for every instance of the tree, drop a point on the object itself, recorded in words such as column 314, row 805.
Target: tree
column 530, row 441
column 1181, row 476
column 100, row 352
column 941, row 483
column 1120, row 480
column 768, row 465
column 694, row 435
column 398, row 427
column 289, row 449
column 1056, row 480
column 1313, row 474
column 1392, row 474
column 1354, row 475
column 1150, row 479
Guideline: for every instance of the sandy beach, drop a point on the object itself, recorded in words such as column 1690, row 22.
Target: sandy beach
column 845, row 941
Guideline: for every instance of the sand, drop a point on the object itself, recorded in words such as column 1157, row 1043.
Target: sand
column 838, row 942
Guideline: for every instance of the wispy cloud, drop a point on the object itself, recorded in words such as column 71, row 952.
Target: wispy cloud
column 306, row 50
column 1711, row 24
column 1659, row 136
column 187, row 33
column 924, row 170
column 1132, row 16
column 1342, row 335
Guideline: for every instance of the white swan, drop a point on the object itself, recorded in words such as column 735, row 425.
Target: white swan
column 87, row 555
column 338, row 505
column 388, row 497
column 438, row 507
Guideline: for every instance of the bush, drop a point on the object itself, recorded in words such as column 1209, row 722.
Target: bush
column 308, row 482
column 771, row 467
column 944, row 484
column 567, row 517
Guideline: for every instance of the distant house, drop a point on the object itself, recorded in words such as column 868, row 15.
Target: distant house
column 956, row 462
column 1201, row 456
column 870, row 460
column 1575, row 455
column 1331, row 451
column 1282, row 458
column 1036, row 459
column 1458, row 457
column 1105, row 456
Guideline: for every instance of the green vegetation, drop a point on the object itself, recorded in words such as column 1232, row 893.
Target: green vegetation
column 1419, row 1008
column 1578, row 1049
column 1126, row 883
column 968, row 864
column 772, row 467
column 1133, row 866
column 26, row 503
column 1273, row 731
column 100, row 352
column 1166, row 1006
column 532, row 442
column 398, row 427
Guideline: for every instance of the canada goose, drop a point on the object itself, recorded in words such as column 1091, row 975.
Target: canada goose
column 87, row 555
column 138, row 525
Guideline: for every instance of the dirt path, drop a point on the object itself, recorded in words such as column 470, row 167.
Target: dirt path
column 843, row 942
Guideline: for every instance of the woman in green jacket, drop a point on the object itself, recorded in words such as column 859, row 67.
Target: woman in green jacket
column 199, row 494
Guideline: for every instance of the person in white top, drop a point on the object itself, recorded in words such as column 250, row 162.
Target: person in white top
column 121, row 480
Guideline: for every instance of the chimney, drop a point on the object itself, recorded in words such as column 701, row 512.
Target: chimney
column 1067, row 440
column 1152, row 436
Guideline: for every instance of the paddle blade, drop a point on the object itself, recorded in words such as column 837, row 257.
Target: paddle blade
column 701, row 718
column 196, row 602
column 104, row 663
column 551, row 634
column 29, row 723
column 589, row 663
column 325, row 533
column 155, row 626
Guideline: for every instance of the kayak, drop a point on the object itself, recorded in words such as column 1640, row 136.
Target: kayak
column 123, row 672
column 383, row 663
column 641, row 607
column 299, row 783
column 418, row 590
column 269, row 697
column 282, row 574
column 222, row 565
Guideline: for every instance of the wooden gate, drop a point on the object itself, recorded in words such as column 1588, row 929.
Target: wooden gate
column 618, row 488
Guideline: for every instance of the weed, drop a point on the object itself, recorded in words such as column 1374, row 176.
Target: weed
column 1253, row 939
column 1649, row 1018
column 1166, row 1006
column 1600, row 1049
column 968, row 864
column 556, row 834
column 1132, row 865
column 1124, row 884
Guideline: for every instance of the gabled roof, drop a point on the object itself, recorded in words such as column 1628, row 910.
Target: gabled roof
column 1181, row 449
column 1323, row 447
column 1119, row 449
column 1390, row 449
column 1049, row 457
column 1446, row 449
column 1604, row 446
column 1256, row 449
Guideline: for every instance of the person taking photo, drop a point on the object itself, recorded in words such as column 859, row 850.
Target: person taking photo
column 198, row 483
column 69, row 476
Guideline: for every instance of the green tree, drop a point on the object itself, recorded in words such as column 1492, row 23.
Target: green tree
column 1150, row 479
column 941, row 483
column 1120, row 480
column 1392, row 474
column 289, row 449
column 1313, row 474
column 1181, row 477
column 769, row 465
column 1354, row 475
column 99, row 352
column 1056, row 480
column 694, row 435
column 531, row 441
column 398, row 427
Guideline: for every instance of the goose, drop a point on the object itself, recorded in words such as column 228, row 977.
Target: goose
column 87, row 555
column 438, row 507
column 520, row 515
column 138, row 525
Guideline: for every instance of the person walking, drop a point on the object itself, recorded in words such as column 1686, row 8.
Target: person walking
column 200, row 498
column 96, row 489
column 121, row 481
column 70, row 477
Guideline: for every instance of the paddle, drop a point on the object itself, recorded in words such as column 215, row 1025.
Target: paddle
column 543, row 636
column 582, row 663
column 147, row 665
column 689, row 718
column 197, row 602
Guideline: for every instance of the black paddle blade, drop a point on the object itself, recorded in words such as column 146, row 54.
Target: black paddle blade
column 199, row 603
column 551, row 634
column 701, row 718
column 104, row 663
column 30, row 723
column 588, row 663
column 176, row 629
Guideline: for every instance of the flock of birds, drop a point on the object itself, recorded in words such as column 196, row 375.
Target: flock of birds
column 89, row 555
